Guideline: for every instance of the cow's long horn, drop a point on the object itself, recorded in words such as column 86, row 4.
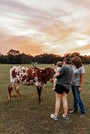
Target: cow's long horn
column 38, row 67
column 35, row 67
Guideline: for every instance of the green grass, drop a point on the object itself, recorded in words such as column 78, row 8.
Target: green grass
column 29, row 117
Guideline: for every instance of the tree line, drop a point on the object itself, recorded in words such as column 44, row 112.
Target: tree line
column 15, row 57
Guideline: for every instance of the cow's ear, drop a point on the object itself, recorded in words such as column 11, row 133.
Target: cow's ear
column 44, row 70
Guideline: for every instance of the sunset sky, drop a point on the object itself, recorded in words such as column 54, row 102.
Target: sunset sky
column 45, row 26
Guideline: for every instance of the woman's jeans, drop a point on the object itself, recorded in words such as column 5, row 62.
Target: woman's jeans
column 77, row 100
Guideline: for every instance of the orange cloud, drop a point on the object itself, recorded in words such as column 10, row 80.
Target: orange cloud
column 80, row 49
column 25, row 45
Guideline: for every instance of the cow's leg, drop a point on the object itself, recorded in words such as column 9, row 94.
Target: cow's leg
column 39, row 90
column 17, row 90
column 10, row 89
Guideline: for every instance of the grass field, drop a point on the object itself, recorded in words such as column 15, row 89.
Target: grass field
column 29, row 117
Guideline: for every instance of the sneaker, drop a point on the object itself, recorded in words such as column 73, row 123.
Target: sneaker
column 54, row 117
column 82, row 115
column 65, row 116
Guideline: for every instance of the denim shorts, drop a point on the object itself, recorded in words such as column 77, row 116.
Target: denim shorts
column 60, row 89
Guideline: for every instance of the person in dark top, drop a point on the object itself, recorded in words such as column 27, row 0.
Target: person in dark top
column 64, row 78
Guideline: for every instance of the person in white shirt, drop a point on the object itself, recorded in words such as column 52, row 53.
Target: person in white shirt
column 77, row 84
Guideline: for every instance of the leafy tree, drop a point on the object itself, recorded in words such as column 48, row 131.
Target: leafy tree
column 13, row 52
column 14, row 57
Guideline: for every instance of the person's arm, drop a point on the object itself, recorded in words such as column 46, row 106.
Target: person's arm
column 59, row 72
column 56, row 74
column 81, row 81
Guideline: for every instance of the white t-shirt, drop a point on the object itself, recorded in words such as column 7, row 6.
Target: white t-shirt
column 77, row 73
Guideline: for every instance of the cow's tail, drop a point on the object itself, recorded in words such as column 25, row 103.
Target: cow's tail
column 10, row 89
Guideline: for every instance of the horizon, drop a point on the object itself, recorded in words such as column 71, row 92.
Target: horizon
column 45, row 53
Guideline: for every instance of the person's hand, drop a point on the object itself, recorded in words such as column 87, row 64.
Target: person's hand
column 80, row 88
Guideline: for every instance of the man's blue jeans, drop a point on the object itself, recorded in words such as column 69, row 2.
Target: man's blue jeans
column 77, row 100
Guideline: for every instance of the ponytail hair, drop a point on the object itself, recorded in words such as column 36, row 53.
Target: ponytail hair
column 67, row 60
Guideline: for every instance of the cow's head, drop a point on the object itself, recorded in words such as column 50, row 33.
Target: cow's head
column 43, row 75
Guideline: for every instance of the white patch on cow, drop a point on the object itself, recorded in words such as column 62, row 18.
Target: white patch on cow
column 39, row 84
column 19, row 74
column 36, row 83
column 28, row 83
column 36, row 78
column 33, row 71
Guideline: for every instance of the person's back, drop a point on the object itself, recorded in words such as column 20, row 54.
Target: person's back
column 66, row 75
